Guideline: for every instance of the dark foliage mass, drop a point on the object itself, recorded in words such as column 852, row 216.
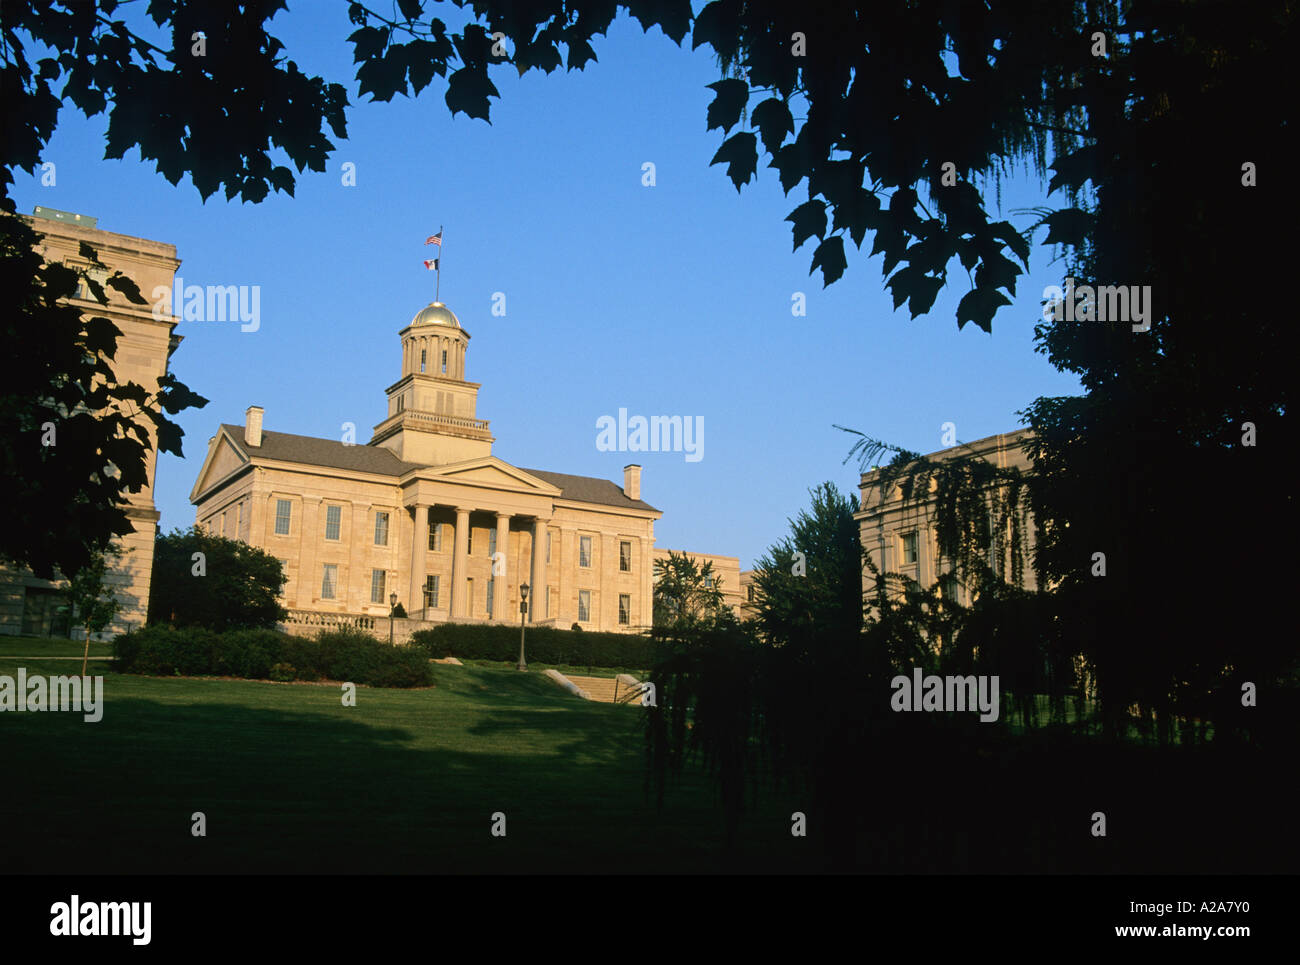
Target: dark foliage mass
column 576, row 647
column 343, row 654
column 201, row 579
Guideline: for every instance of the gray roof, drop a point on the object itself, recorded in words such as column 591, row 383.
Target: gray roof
column 310, row 451
column 322, row 452
column 589, row 489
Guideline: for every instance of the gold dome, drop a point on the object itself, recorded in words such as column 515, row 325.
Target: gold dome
column 436, row 313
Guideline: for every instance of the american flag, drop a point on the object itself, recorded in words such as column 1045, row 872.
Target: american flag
column 431, row 265
column 434, row 239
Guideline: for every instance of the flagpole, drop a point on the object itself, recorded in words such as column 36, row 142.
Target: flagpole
column 437, row 285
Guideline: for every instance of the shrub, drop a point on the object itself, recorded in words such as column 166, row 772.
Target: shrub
column 350, row 654
column 500, row 642
column 164, row 651
column 250, row 653
column 283, row 672
column 340, row 654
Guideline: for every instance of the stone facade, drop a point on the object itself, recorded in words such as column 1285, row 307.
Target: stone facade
column 29, row 605
column 748, row 596
column 899, row 537
column 427, row 512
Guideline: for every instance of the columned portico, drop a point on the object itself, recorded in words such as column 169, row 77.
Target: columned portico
column 460, row 563
column 540, row 593
column 419, row 549
column 501, row 571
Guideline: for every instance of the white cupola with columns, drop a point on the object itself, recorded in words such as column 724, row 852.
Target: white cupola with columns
column 432, row 410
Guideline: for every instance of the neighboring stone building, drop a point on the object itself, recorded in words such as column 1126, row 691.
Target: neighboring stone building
column 748, row 595
column 899, row 537
column 33, row 606
column 725, row 568
column 425, row 511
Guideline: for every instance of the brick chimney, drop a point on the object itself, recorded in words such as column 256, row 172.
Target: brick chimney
column 632, row 481
column 253, row 425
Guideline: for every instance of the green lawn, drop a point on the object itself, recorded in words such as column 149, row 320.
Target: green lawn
column 406, row 781
column 50, row 647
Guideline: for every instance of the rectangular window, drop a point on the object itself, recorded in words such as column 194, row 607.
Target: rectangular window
column 329, row 581
column 490, row 592
column 708, row 582
column 333, row 520
column 625, row 557
column 424, row 357
column 492, row 545
column 909, row 548
column 469, row 598
column 431, row 591
column 469, row 540
column 282, row 509
column 381, row 529
column 584, row 551
column 444, row 362
column 584, row 606
column 948, row 587
column 750, row 592
column 377, row 578
column 435, row 537
column 624, row 609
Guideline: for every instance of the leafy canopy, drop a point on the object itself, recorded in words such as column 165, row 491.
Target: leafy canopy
column 230, row 585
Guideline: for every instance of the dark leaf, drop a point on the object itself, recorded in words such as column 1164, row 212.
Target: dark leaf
column 725, row 110
column 740, row 153
column 809, row 219
column 829, row 256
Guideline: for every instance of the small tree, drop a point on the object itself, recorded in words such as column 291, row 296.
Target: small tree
column 686, row 591
column 201, row 579
column 92, row 599
column 812, row 579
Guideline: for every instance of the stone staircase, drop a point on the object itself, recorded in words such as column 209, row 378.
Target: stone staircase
column 603, row 689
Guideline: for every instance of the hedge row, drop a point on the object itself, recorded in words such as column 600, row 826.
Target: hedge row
column 543, row 644
column 343, row 654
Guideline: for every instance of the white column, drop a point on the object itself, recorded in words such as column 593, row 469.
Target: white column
column 419, row 548
column 501, row 579
column 537, row 608
column 460, row 563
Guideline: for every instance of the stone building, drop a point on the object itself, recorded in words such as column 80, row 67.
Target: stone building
column 899, row 537
column 426, row 513
column 36, row 607
column 749, row 601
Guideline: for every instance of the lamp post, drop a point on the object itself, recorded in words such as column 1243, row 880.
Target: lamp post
column 523, row 609
column 392, row 606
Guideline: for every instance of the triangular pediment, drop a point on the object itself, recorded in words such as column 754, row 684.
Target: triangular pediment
column 224, row 459
column 489, row 472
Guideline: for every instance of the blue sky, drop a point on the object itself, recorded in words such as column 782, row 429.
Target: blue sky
column 665, row 300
